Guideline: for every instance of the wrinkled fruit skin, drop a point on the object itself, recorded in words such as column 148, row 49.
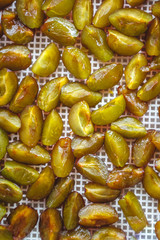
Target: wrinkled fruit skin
column 72, row 93
column 156, row 140
column 52, row 128
column 106, row 77
column 109, row 233
column 50, row 224
column 87, row 145
column 116, row 148
column 49, row 94
column 4, row 141
column 133, row 103
column 9, row 121
column 53, row 8
column 72, row 206
column 15, row 57
column 60, row 30
column 22, row 220
column 151, row 183
column 23, row 154
column 97, row 215
column 143, row 150
column 82, row 13
column 125, row 177
column 31, row 125
column 19, row 173
column 157, row 229
column 122, row 44
column 8, row 86
column 98, row 193
column 60, row 192
column 92, row 168
column 76, row 62
column 156, row 9
column 133, row 73
column 30, row 13
column 129, row 127
column 80, row 119
column 14, row 29
column 101, row 18
column 62, row 158
column 9, row 192
column 109, row 112
column 150, row 89
column 95, row 40
column 42, row 186
column 5, row 233
column 25, row 94
column 152, row 38
column 133, row 212
column 77, row 234
column 47, row 62
column 130, row 21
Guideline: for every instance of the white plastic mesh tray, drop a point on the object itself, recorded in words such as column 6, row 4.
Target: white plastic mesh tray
column 151, row 120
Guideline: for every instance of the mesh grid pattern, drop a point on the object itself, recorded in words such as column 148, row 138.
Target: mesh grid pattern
column 151, row 120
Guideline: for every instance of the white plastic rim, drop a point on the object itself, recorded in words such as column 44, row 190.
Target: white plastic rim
column 151, row 120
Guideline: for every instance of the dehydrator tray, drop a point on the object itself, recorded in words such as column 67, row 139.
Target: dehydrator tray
column 151, row 120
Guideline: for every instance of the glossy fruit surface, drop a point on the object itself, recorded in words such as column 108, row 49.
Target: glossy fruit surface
column 156, row 9
column 116, row 148
column 105, row 77
column 23, row 154
column 129, row 127
column 54, row 8
column 62, row 160
column 52, row 128
column 9, row 192
column 9, row 121
column 122, row 44
column 5, row 233
column 98, row 193
column 5, row 3
column 152, row 38
column 130, row 21
column 157, row 165
column 30, row 12
column 77, row 234
column 4, row 141
column 143, row 150
column 22, row 220
column 60, row 192
column 50, row 224
column 42, row 187
column 72, row 206
column 150, row 89
column 82, row 13
column 14, row 29
column 157, row 229
column 74, row 92
column 49, row 94
column 87, row 145
column 133, row 73
column 92, row 168
column 125, row 177
column 60, row 30
column 47, row 62
column 95, row 40
column 109, row 112
column 156, row 140
column 133, row 103
column 76, row 62
column 3, row 211
column 15, row 57
column 133, row 212
column 31, row 125
column 101, row 18
column 80, row 119
column 19, row 173
column 134, row 3
column 97, row 215
column 25, row 94
column 109, row 233
column 8, row 86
